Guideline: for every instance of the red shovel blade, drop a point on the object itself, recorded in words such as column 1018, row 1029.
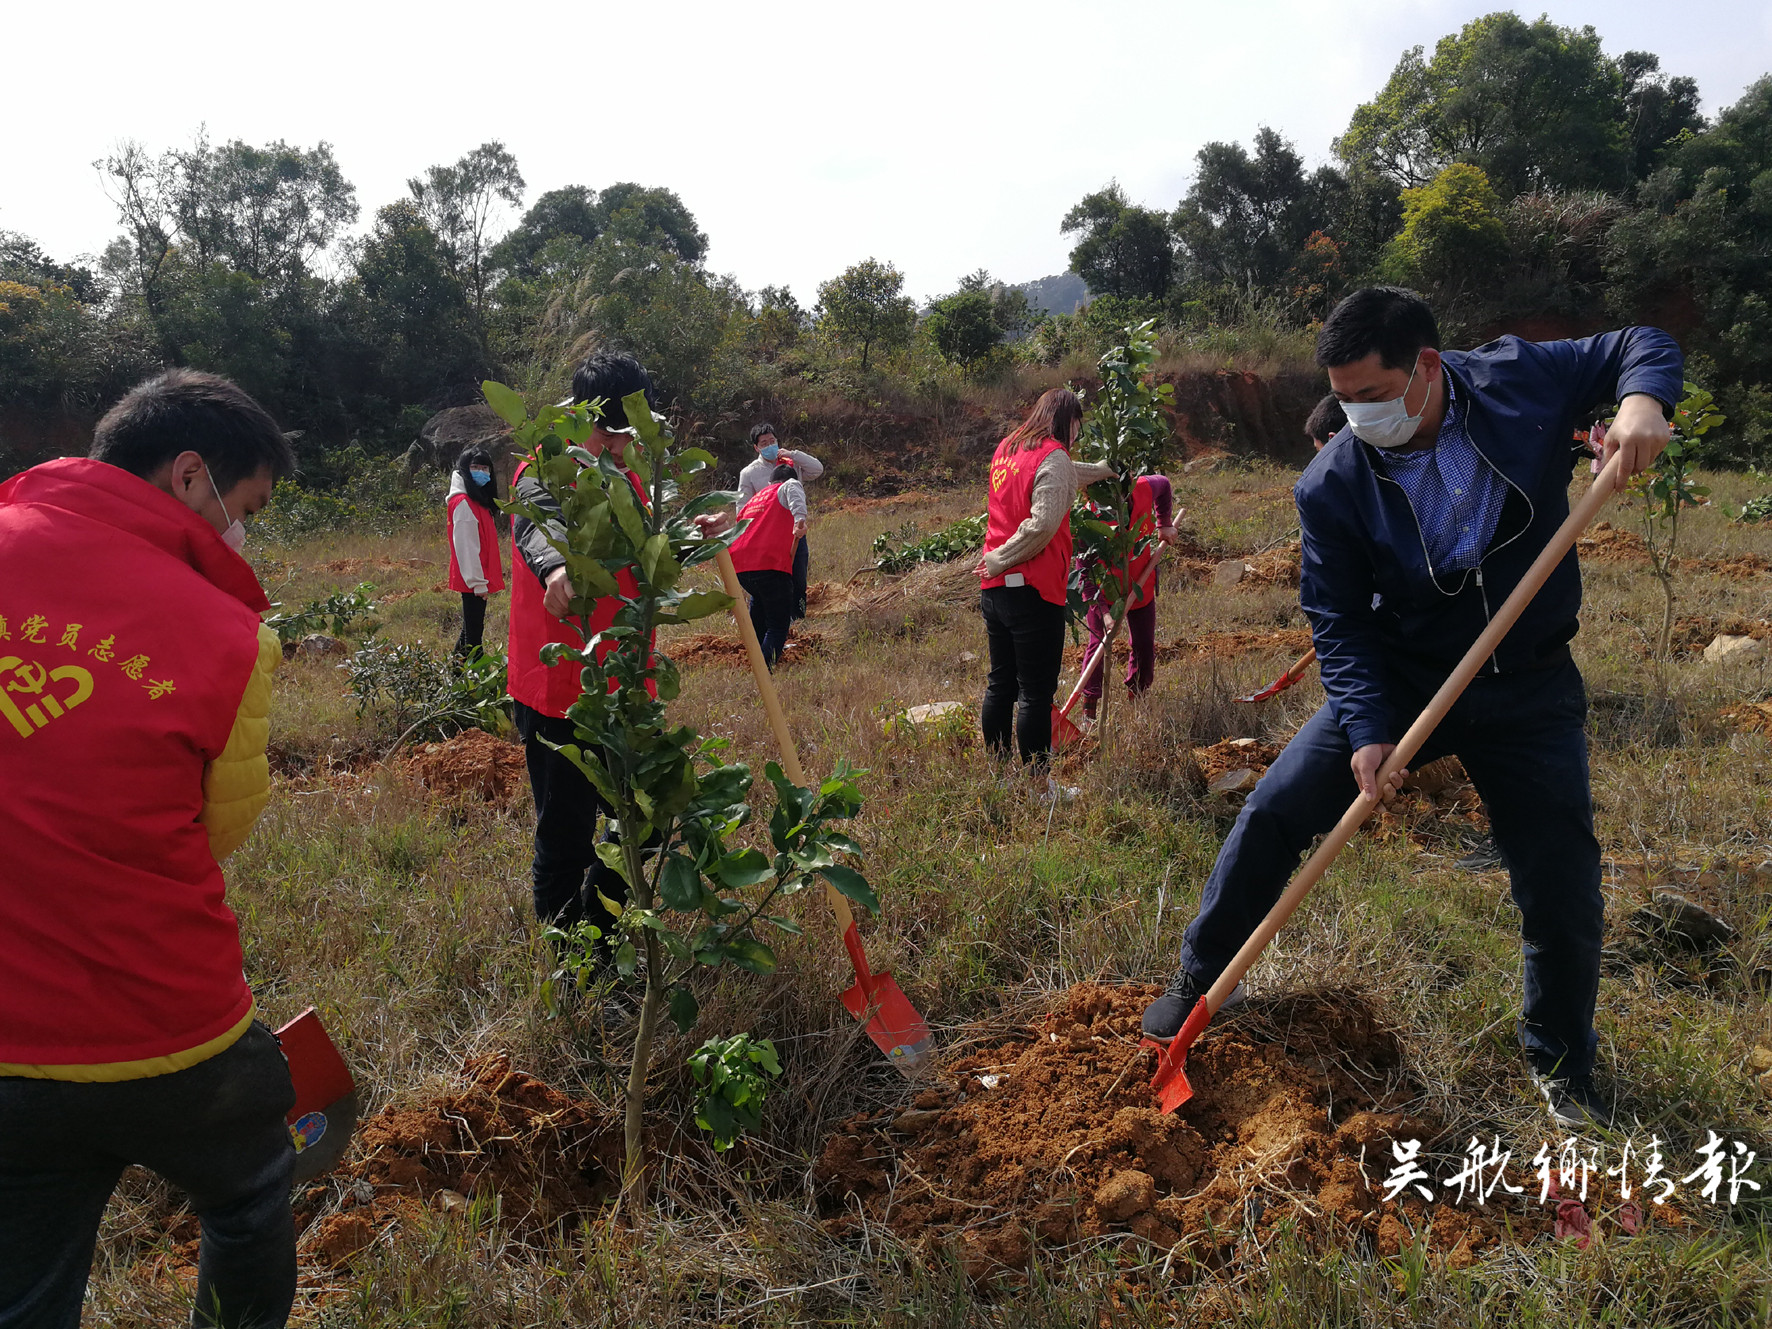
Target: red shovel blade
column 1063, row 731
column 325, row 1111
column 1170, row 1083
column 893, row 1023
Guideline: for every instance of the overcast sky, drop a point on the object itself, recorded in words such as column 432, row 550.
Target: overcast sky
column 942, row 137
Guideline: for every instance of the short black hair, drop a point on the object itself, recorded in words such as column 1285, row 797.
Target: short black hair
column 184, row 410
column 1388, row 319
column 759, row 430
column 611, row 375
column 784, row 470
column 1326, row 419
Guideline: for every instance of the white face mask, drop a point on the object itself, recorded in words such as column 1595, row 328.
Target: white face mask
column 1386, row 424
column 234, row 537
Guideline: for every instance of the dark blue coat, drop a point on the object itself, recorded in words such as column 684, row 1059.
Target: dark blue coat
column 1374, row 606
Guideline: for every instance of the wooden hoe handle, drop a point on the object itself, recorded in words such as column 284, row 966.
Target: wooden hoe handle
column 778, row 720
column 1362, row 808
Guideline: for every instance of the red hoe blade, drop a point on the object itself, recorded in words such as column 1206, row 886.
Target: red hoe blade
column 1286, row 679
column 325, row 1111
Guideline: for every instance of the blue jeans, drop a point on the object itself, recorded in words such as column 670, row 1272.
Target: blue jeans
column 1521, row 738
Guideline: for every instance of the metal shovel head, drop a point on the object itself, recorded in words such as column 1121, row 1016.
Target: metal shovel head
column 1170, row 1083
column 1064, row 732
column 325, row 1111
column 893, row 1023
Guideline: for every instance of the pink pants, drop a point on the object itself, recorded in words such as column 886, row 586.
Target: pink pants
column 1142, row 667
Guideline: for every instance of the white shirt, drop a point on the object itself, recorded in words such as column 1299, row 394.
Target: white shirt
column 464, row 534
column 754, row 479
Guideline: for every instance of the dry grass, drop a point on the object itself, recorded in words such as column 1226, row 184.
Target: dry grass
column 406, row 919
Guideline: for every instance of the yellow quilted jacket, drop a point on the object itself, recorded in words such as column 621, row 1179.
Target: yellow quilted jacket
column 238, row 783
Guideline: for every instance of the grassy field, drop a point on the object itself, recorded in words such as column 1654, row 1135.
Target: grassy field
column 405, row 917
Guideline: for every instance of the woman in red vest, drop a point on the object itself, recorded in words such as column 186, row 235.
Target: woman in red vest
column 1153, row 515
column 764, row 556
column 1026, row 563
column 475, row 569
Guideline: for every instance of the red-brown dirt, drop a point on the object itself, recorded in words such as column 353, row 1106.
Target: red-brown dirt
column 724, row 648
column 1294, row 1109
column 1606, row 543
column 1052, row 1137
column 1213, row 646
column 473, row 764
column 546, row 1155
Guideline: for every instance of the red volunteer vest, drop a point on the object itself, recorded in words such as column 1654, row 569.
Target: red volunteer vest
column 1144, row 521
column 552, row 690
column 768, row 542
column 128, row 632
column 1011, row 503
column 490, row 566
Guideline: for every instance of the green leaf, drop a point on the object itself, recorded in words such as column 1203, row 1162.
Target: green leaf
column 679, row 884
column 851, row 883
column 742, row 868
column 750, row 954
column 505, row 404
column 626, row 960
column 684, row 1008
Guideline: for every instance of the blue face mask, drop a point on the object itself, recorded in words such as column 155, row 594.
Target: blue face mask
column 480, row 477
column 770, row 452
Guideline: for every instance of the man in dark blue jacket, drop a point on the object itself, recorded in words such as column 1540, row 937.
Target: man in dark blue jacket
column 1418, row 519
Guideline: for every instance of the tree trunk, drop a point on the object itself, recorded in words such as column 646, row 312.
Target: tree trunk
column 633, row 1173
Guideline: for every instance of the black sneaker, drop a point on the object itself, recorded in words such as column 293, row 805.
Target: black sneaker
column 1164, row 1017
column 1574, row 1101
column 1484, row 858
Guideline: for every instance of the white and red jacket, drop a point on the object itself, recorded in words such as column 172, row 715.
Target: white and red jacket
column 474, row 564
column 134, row 695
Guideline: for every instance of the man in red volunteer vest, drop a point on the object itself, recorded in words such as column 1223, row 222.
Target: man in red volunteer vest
column 134, row 703
column 566, row 873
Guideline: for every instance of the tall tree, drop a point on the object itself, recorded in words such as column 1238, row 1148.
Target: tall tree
column 1125, row 249
column 265, row 211
column 1247, row 215
column 1659, row 111
column 866, row 306
column 462, row 204
column 1534, row 105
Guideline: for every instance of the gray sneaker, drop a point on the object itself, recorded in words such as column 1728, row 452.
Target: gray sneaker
column 1574, row 1101
column 1164, row 1017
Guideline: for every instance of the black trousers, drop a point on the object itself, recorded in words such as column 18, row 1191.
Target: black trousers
column 802, row 567
column 1026, row 636
column 772, row 608
column 473, row 623
column 215, row 1130
column 566, row 875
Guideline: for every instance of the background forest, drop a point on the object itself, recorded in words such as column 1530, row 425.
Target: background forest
column 1518, row 174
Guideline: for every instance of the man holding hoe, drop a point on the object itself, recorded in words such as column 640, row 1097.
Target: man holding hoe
column 1418, row 519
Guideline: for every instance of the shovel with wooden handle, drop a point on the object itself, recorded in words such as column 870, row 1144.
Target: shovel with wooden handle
column 1285, row 680
column 892, row 1022
column 1171, row 1082
column 1064, row 729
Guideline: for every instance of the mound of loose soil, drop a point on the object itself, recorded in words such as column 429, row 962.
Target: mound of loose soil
column 1606, row 543
column 473, row 764
column 1275, row 567
column 1235, row 754
column 546, row 1155
column 1752, row 718
column 1056, row 1138
column 724, row 648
